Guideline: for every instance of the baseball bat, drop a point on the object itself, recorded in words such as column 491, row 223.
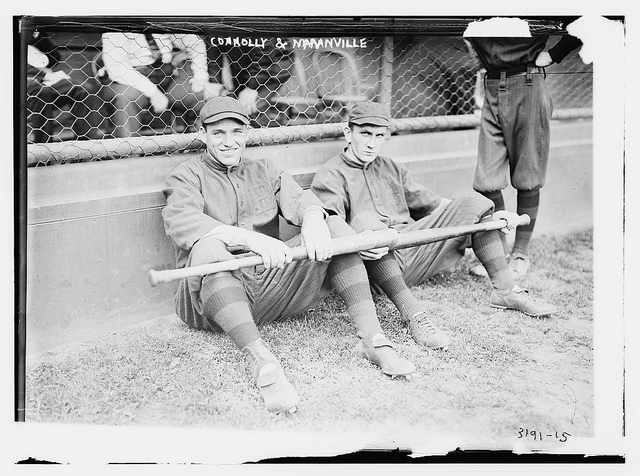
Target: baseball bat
column 344, row 245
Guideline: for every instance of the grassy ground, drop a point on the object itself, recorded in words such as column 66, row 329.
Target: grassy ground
column 503, row 372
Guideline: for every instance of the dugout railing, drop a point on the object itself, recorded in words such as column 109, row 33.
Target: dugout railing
column 305, row 83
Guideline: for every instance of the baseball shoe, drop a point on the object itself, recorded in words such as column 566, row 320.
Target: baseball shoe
column 379, row 350
column 519, row 265
column 520, row 300
column 278, row 394
column 425, row 333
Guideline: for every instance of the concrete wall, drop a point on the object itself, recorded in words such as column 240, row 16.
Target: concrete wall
column 95, row 229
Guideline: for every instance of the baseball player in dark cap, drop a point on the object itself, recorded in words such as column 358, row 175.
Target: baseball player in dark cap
column 372, row 192
column 220, row 200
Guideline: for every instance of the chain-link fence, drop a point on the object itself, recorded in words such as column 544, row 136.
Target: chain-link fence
column 115, row 94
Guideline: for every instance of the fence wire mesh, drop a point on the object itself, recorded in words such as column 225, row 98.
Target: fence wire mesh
column 115, row 94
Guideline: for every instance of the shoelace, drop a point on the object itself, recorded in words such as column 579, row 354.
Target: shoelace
column 525, row 292
column 424, row 322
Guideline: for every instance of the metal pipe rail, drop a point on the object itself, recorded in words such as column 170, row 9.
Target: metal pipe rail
column 163, row 144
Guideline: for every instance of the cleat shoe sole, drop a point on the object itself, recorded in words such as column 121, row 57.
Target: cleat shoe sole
column 530, row 314
column 440, row 348
column 406, row 377
column 519, row 300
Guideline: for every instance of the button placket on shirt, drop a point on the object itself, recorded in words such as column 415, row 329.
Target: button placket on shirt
column 233, row 178
column 374, row 192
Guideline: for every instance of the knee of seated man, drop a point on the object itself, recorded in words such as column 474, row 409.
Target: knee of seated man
column 208, row 250
column 367, row 221
column 473, row 202
column 338, row 227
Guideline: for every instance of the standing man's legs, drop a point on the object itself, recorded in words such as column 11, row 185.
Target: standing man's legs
column 492, row 167
column 514, row 136
column 528, row 143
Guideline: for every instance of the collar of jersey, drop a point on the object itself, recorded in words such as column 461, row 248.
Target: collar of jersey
column 352, row 163
column 214, row 164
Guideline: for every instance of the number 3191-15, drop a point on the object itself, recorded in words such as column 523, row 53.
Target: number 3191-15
column 537, row 435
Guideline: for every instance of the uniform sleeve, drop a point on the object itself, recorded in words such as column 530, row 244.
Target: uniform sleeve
column 47, row 47
column 421, row 201
column 196, row 50
column 293, row 200
column 565, row 46
column 184, row 219
column 36, row 62
column 164, row 42
column 115, row 52
column 44, row 52
column 331, row 192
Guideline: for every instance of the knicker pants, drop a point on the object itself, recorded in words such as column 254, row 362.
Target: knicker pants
column 420, row 263
column 273, row 293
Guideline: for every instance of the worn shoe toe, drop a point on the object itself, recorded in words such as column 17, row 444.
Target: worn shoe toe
column 520, row 300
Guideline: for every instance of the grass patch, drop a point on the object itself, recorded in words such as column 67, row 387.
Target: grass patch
column 503, row 371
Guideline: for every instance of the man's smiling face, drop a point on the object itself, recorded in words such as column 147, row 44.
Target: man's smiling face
column 226, row 141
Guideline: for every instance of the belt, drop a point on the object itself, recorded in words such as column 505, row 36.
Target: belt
column 515, row 72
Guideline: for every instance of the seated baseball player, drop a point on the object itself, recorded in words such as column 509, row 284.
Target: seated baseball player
column 220, row 201
column 373, row 192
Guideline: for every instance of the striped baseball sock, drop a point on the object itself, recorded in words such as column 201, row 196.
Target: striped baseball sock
column 489, row 250
column 497, row 199
column 528, row 202
column 386, row 273
column 498, row 204
column 225, row 302
column 349, row 279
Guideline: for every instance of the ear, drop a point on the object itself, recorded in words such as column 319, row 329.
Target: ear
column 347, row 134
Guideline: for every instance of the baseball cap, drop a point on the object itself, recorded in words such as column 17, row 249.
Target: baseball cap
column 369, row 113
column 223, row 107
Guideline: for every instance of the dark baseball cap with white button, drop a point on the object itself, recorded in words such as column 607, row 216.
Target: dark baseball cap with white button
column 369, row 113
column 223, row 107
